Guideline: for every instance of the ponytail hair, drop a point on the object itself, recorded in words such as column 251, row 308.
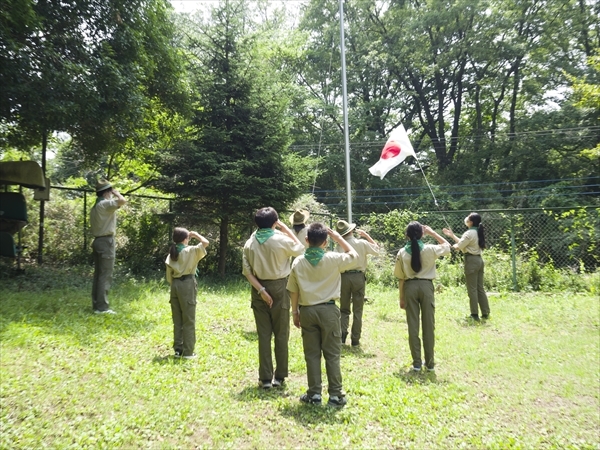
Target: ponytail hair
column 476, row 220
column 414, row 231
column 179, row 235
column 299, row 227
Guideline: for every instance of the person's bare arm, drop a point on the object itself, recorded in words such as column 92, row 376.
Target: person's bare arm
column 286, row 230
column 363, row 233
column 120, row 199
column 401, row 293
column 342, row 242
column 295, row 308
column 199, row 237
column 448, row 232
column 430, row 231
column 260, row 288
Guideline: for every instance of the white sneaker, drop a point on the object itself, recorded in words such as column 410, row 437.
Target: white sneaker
column 192, row 356
column 108, row 311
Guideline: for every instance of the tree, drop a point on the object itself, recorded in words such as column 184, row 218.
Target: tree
column 94, row 69
column 236, row 158
column 465, row 76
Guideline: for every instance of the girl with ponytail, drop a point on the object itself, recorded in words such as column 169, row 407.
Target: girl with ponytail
column 471, row 244
column 415, row 269
column 182, row 263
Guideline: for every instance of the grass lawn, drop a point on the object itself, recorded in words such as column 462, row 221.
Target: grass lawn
column 527, row 378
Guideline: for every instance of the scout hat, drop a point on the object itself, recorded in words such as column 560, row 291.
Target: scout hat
column 299, row 217
column 102, row 185
column 344, row 227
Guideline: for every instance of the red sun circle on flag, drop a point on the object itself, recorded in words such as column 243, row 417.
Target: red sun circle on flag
column 391, row 150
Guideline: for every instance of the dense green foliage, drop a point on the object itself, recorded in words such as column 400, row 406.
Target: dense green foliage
column 482, row 84
column 96, row 70
column 235, row 159
column 239, row 106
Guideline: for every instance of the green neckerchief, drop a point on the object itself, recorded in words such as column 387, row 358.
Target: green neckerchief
column 408, row 248
column 180, row 247
column 98, row 200
column 314, row 254
column 473, row 228
column 263, row 234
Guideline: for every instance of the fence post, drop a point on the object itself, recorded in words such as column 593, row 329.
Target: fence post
column 84, row 221
column 513, row 252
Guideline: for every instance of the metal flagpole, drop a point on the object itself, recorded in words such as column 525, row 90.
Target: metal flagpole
column 345, row 107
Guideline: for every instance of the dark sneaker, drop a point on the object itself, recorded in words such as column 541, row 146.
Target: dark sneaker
column 313, row 400
column 475, row 317
column 334, row 400
column 344, row 336
column 192, row 356
column 178, row 354
column 485, row 316
column 431, row 369
column 355, row 343
column 415, row 369
column 265, row 384
column 278, row 382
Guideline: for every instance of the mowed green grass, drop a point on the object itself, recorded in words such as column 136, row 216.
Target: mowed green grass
column 527, row 378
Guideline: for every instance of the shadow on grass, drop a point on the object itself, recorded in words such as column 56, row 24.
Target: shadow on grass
column 252, row 393
column 356, row 352
column 251, row 336
column 410, row 377
column 391, row 318
column 467, row 322
column 170, row 360
column 305, row 414
column 67, row 311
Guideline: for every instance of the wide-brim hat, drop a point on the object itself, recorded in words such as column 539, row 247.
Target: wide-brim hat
column 344, row 227
column 299, row 217
column 102, row 185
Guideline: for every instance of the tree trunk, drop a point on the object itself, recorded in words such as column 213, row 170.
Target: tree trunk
column 223, row 243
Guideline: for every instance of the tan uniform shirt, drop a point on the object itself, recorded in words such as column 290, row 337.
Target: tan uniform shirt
column 103, row 218
column 469, row 243
column 320, row 283
column 270, row 260
column 302, row 236
column 186, row 262
column 429, row 254
column 363, row 248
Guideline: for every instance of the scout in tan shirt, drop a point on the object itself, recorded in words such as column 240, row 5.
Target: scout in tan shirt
column 266, row 265
column 471, row 244
column 182, row 263
column 298, row 221
column 103, row 225
column 314, row 287
column 352, row 297
column 415, row 270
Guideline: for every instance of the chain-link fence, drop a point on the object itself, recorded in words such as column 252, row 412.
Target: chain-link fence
column 564, row 238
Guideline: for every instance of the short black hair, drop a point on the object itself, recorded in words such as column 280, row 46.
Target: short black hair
column 101, row 193
column 266, row 217
column 317, row 234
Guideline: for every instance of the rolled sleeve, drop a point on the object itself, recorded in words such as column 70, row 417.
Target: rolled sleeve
column 399, row 268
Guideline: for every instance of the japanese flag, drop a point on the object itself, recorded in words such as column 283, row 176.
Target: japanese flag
column 396, row 149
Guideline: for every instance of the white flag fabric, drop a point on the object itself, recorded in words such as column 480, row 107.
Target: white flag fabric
column 396, row 149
